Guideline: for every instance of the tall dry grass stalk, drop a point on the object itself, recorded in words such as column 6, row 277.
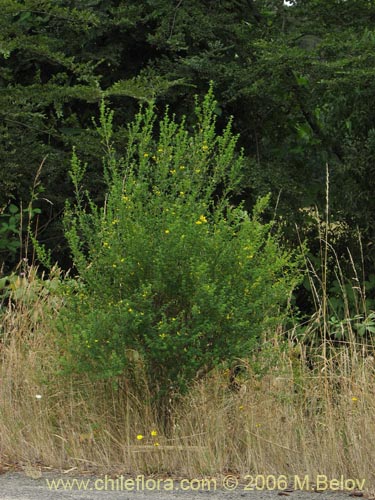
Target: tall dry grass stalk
column 284, row 418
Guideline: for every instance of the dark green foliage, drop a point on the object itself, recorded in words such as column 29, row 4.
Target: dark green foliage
column 9, row 233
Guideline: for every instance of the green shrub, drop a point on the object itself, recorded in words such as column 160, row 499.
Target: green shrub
column 170, row 274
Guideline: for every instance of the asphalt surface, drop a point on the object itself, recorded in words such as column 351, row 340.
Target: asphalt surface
column 19, row 486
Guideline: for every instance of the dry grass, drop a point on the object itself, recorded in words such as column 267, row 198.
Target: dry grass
column 305, row 415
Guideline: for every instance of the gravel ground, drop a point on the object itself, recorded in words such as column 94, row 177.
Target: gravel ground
column 18, row 486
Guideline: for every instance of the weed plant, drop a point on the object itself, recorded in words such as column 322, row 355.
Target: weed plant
column 170, row 275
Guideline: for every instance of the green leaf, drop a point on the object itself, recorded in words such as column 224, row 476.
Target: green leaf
column 13, row 209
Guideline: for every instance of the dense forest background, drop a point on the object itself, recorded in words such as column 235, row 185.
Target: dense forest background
column 298, row 80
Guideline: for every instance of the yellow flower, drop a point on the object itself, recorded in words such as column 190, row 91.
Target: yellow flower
column 173, row 171
column 182, row 193
column 202, row 220
column 154, row 433
column 354, row 399
column 122, row 260
column 160, row 150
column 106, row 244
column 114, row 265
column 167, row 231
column 162, row 335
column 204, row 147
column 140, row 437
column 115, row 221
column 156, row 444
column 182, row 167
column 240, row 407
column 146, row 155
column 130, row 310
